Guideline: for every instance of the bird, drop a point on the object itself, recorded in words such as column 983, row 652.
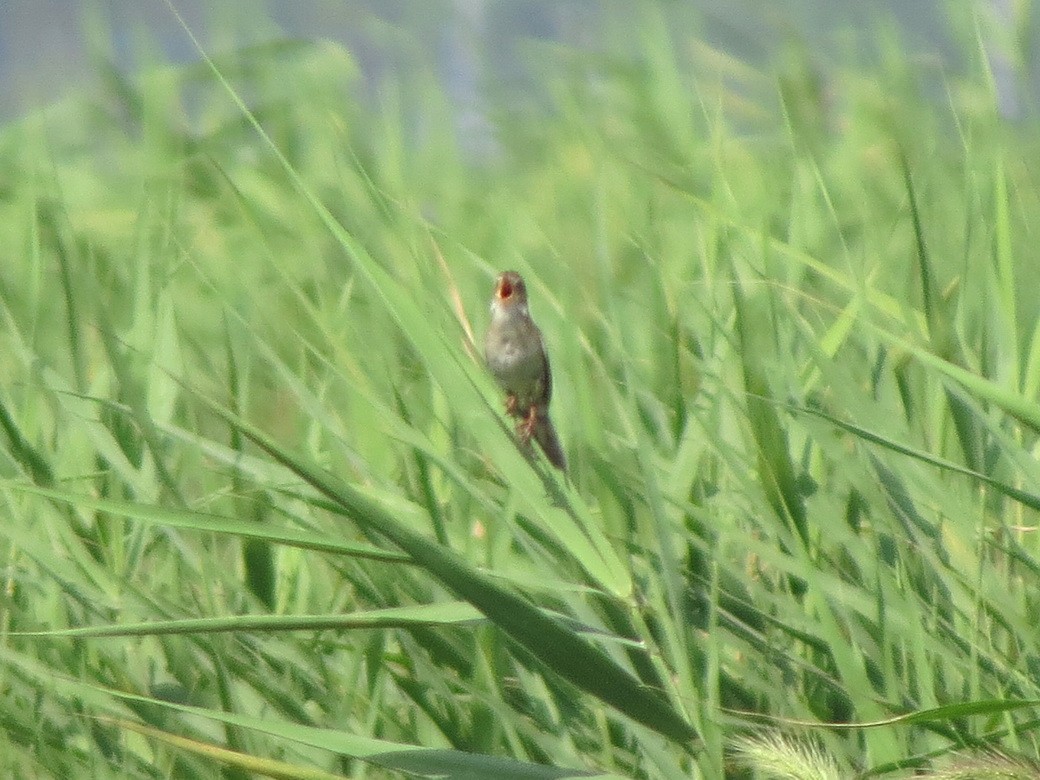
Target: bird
column 515, row 355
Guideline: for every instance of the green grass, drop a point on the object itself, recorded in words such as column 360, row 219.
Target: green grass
column 262, row 514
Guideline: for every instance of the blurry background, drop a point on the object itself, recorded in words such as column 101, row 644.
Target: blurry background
column 45, row 54
column 784, row 259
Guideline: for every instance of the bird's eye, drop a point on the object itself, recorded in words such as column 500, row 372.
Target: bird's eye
column 505, row 290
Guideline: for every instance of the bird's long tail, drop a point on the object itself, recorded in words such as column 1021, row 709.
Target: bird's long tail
column 545, row 435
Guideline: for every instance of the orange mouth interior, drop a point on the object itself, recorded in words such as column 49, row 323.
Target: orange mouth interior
column 505, row 289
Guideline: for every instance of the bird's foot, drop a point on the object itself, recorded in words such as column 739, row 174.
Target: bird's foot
column 525, row 428
column 511, row 405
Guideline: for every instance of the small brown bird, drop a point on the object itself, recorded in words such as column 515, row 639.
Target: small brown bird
column 516, row 356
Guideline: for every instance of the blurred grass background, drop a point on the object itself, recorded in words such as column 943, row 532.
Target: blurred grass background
column 258, row 487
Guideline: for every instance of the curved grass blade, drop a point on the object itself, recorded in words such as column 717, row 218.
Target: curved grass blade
column 201, row 521
column 260, row 767
column 422, row 616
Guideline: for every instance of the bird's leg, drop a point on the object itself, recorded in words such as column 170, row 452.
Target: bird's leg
column 511, row 404
column 526, row 426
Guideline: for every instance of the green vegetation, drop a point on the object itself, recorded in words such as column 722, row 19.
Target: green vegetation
column 262, row 512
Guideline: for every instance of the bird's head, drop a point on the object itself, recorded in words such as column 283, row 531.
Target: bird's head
column 510, row 295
